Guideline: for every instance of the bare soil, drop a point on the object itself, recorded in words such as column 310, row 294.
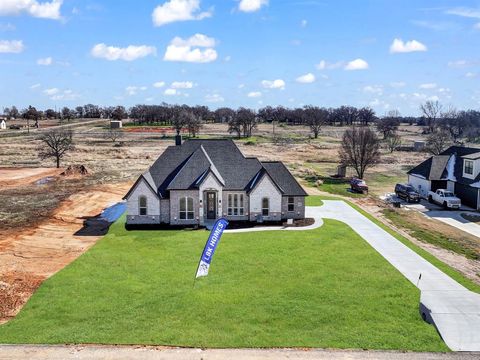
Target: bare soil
column 15, row 177
column 28, row 256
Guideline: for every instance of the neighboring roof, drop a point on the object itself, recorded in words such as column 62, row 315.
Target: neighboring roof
column 283, row 178
column 437, row 167
column 473, row 156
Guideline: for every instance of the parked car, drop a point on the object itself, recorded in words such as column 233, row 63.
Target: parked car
column 359, row 185
column 407, row 192
column 445, row 198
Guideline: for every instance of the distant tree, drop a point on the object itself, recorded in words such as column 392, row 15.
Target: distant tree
column 14, row 113
column 315, row 118
column 119, row 113
column 248, row 120
column 360, row 149
column 346, row 115
column 393, row 142
column 387, row 126
column 55, row 144
column 431, row 111
column 113, row 134
column 31, row 113
column 79, row 112
column 181, row 119
column 223, row 115
column 438, row 141
column 67, row 114
column 366, row 116
column 50, row 114
column 272, row 115
column 454, row 123
column 234, row 125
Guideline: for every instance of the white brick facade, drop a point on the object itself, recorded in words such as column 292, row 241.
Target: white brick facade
column 153, row 205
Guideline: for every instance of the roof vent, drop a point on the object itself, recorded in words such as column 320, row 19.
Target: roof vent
column 178, row 140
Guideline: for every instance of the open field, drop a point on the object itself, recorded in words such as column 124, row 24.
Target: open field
column 294, row 289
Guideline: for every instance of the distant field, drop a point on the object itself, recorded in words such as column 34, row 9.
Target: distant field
column 322, row 288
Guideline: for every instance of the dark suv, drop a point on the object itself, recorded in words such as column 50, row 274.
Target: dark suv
column 407, row 192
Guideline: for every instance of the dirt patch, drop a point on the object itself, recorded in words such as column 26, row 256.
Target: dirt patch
column 16, row 177
column 30, row 256
column 73, row 170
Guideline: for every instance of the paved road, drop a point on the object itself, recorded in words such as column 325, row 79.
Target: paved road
column 453, row 309
column 93, row 352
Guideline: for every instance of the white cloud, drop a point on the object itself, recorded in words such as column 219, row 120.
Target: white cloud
column 399, row 46
column 130, row 53
column 306, row 79
column 7, row 27
column 133, row 90
column 304, row 23
column 189, row 50
column 171, row 92
column 373, row 89
column 471, row 75
column 477, row 26
column 35, row 86
column 254, row 94
column 178, row 10
column 182, row 85
column 159, row 84
column 214, row 98
column 274, row 84
column 398, row 84
column 45, row 61
column 241, row 86
column 428, row 86
column 46, row 10
column 324, row 65
column 51, row 91
column 251, row 5
column 357, row 64
column 65, row 96
column 11, row 46
column 465, row 12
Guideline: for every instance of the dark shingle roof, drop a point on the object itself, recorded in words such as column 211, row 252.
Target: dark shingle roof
column 185, row 166
column 435, row 167
column 283, row 178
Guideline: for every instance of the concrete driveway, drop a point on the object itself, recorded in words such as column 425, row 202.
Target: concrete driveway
column 449, row 217
column 453, row 309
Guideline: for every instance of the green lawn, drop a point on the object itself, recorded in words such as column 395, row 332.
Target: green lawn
column 321, row 288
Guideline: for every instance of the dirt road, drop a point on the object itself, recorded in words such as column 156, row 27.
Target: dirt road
column 30, row 256
column 15, row 177
column 92, row 352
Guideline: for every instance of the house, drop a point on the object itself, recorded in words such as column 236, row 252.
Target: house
column 3, row 124
column 199, row 181
column 456, row 169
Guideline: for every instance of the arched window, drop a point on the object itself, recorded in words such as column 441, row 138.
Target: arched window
column 142, row 205
column 186, row 208
column 265, row 206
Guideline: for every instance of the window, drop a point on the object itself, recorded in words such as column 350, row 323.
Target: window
column 235, row 204
column 142, row 205
column 291, row 203
column 186, row 208
column 468, row 167
column 265, row 206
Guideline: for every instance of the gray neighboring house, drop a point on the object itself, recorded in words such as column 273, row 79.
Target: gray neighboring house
column 457, row 169
column 199, row 181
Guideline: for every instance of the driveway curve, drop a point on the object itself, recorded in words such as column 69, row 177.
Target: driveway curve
column 453, row 309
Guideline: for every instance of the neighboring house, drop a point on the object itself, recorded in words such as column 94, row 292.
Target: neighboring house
column 3, row 124
column 199, row 181
column 456, row 169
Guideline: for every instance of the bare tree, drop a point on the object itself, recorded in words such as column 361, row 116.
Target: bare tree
column 438, row 141
column 387, row 126
column 431, row 111
column 393, row 142
column 315, row 118
column 55, row 144
column 360, row 149
column 113, row 134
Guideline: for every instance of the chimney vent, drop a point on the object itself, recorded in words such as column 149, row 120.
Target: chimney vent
column 178, row 140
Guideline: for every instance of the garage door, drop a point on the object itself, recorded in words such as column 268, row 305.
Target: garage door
column 467, row 194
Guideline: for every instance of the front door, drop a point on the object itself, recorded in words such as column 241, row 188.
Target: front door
column 211, row 205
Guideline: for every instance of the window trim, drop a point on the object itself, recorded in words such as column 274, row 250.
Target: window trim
column 187, row 214
column 466, row 174
column 140, row 207
column 239, row 208
column 266, row 208
column 291, row 203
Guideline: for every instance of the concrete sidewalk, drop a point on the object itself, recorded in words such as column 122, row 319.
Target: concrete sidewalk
column 453, row 309
column 93, row 352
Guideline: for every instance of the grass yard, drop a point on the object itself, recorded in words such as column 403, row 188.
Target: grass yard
column 321, row 288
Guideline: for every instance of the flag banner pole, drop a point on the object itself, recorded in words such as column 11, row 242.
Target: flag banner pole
column 210, row 247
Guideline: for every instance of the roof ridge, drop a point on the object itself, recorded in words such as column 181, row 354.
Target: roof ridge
column 213, row 167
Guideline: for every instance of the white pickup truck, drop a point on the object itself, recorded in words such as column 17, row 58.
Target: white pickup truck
column 445, row 198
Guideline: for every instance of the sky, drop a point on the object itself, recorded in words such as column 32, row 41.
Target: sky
column 389, row 55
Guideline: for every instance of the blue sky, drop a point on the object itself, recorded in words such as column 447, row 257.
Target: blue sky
column 388, row 54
